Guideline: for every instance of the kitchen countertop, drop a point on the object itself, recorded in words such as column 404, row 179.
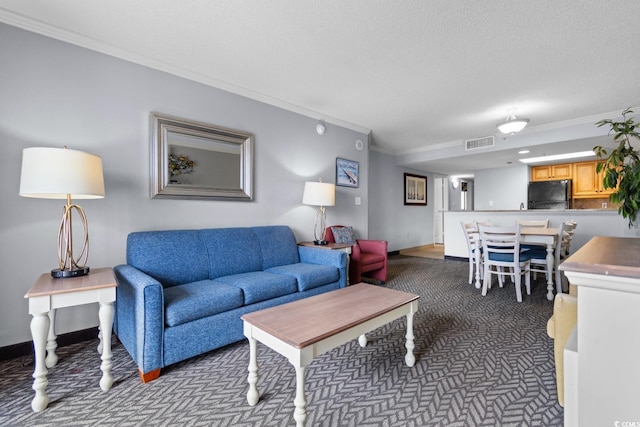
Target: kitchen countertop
column 614, row 211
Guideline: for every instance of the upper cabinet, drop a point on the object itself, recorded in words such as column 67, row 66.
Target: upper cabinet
column 551, row 172
column 588, row 183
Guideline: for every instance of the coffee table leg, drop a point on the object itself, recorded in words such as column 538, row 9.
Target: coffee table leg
column 362, row 340
column 410, row 358
column 300, row 414
column 253, row 395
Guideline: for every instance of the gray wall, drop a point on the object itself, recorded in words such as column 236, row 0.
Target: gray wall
column 500, row 189
column 55, row 94
column 389, row 219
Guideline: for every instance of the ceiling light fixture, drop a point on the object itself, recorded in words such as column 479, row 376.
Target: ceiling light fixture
column 512, row 124
column 558, row 157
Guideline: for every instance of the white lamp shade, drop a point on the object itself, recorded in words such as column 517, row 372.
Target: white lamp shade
column 319, row 194
column 54, row 173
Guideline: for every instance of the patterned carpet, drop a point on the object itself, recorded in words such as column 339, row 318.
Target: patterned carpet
column 480, row 361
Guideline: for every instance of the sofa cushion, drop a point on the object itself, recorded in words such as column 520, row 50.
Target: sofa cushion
column 191, row 301
column 172, row 257
column 308, row 276
column 231, row 251
column 259, row 285
column 277, row 244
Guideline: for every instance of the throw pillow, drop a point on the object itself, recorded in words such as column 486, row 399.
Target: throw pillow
column 344, row 235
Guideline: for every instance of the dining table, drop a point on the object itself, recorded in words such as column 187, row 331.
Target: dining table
column 535, row 235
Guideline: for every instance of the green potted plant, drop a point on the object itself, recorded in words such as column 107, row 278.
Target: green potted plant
column 622, row 165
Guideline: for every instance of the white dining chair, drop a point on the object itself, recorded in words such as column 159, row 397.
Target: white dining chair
column 533, row 223
column 472, row 236
column 543, row 223
column 503, row 257
column 560, row 252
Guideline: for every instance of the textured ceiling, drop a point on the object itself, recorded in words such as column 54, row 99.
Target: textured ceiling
column 416, row 73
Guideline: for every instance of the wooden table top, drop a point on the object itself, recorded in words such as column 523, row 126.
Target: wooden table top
column 539, row 231
column 96, row 279
column 615, row 256
column 309, row 320
column 329, row 245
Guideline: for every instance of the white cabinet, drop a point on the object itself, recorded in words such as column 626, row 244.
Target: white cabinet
column 602, row 372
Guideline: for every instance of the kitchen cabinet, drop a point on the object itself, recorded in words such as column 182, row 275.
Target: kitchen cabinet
column 587, row 183
column 551, row 172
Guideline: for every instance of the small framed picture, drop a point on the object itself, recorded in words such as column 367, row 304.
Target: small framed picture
column 347, row 173
column 415, row 190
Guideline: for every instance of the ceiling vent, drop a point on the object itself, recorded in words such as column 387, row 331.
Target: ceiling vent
column 474, row 144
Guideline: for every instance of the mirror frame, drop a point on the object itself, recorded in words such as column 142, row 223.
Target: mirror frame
column 162, row 188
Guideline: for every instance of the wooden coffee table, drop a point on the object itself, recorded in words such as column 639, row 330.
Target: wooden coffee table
column 304, row 329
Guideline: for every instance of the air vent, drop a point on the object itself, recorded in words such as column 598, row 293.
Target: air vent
column 474, row 144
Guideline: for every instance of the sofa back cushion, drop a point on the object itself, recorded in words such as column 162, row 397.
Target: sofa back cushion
column 172, row 257
column 278, row 245
column 231, row 251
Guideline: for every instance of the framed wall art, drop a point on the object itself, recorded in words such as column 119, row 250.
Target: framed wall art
column 347, row 173
column 194, row 160
column 415, row 190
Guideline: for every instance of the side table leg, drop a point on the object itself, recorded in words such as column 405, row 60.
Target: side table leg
column 410, row 358
column 39, row 327
column 253, row 395
column 300, row 413
column 52, row 343
column 99, row 339
column 106, row 321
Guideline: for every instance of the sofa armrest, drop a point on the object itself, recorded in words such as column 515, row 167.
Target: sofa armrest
column 559, row 327
column 336, row 258
column 139, row 316
column 565, row 314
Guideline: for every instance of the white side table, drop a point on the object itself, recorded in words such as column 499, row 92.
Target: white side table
column 49, row 294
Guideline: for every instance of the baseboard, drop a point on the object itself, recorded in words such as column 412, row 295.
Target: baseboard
column 26, row 348
column 456, row 258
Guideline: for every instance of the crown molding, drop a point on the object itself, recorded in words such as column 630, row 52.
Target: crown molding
column 51, row 31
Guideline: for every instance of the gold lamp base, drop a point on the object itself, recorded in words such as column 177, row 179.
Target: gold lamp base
column 68, row 265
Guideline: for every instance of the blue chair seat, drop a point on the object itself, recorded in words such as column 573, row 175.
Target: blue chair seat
column 533, row 246
column 524, row 256
column 538, row 253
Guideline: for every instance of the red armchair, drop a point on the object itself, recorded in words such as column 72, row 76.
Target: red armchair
column 368, row 258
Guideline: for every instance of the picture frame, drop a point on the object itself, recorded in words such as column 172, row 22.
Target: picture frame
column 347, row 173
column 200, row 161
column 415, row 190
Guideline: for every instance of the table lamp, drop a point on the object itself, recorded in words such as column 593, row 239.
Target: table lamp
column 60, row 173
column 319, row 194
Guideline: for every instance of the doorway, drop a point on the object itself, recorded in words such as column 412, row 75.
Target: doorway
column 440, row 204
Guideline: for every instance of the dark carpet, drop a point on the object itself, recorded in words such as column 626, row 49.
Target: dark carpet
column 480, row 361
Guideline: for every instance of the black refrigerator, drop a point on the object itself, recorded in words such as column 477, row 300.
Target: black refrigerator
column 549, row 195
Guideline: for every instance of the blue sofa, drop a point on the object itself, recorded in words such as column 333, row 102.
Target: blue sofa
column 182, row 292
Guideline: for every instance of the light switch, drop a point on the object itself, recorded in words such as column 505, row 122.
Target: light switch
column 358, row 201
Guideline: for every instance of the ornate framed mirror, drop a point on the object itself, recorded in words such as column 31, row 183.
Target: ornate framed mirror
column 194, row 160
